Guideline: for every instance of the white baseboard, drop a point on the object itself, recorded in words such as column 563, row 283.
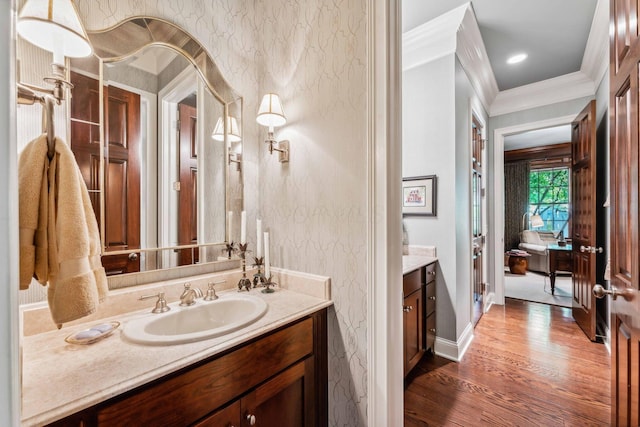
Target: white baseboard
column 454, row 350
column 490, row 299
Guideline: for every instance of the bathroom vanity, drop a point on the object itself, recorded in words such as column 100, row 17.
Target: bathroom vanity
column 272, row 371
column 419, row 308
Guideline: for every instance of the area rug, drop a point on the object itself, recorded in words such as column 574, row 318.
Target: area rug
column 537, row 287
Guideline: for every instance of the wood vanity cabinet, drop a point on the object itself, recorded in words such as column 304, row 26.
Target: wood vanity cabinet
column 419, row 305
column 278, row 379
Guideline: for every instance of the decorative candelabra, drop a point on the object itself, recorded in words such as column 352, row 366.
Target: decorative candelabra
column 267, row 285
column 244, row 282
column 258, row 278
column 230, row 248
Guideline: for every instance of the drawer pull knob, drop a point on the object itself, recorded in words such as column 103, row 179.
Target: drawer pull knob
column 433, row 298
column 432, row 330
column 407, row 308
column 251, row 419
column 431, row 273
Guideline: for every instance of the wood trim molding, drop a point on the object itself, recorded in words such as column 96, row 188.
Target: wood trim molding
column 385, row 397
column 455, row 350
column 432, row 40
column 475, row 60
column 544, row 152
column 539, row 94
column 595, row 61
column 456, row 31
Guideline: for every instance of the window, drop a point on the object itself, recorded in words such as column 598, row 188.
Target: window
column 549, row 198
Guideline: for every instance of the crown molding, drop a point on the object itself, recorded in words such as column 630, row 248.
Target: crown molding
column 432, row 40
column 596, row 54
column 475, row 60
column 546, row 92
column 456, row 31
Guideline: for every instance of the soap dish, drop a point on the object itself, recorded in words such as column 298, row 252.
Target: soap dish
column 93, row 334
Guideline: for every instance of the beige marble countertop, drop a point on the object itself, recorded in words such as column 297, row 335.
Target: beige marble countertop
column 59, row 379
column 414, row 262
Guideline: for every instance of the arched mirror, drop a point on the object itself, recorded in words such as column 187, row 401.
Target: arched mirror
column 166, row 172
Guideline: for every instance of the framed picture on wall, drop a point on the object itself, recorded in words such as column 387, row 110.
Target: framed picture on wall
column 419, row 196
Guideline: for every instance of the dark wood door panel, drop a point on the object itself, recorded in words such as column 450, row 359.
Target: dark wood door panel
column 583, row 206
column 625, row 220
column 188, row 197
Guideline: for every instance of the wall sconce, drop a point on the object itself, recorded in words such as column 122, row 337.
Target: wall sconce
column 52, row 25
column 233, row 137
column 271, row 114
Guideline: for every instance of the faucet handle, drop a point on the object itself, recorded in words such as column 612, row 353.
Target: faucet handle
column 211, row 293
column 161, row 303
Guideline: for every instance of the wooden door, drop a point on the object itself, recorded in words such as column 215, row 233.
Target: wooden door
column 122, row 180
column 583, row 208
column 477, row 234
column 122, row 164
column 624, row 179
column 188, row 198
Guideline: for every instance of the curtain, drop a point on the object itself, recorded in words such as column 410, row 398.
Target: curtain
column 516, row 200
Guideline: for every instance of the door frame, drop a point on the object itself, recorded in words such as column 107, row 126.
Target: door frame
column 496, row 221
column 176, row 90
column 475, row 111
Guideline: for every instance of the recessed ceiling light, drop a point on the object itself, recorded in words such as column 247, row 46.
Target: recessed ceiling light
column 517, row 58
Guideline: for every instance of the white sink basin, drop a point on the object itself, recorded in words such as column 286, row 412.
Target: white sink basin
column 205, row 319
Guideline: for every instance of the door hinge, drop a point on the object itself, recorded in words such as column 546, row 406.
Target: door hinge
column 176, row 186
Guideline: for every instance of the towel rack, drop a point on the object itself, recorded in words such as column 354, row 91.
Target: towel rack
column 27, row 96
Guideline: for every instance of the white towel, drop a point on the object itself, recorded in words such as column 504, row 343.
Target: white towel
column 77, row 280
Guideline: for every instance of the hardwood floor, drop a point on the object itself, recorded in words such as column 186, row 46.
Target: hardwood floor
column 529, row 365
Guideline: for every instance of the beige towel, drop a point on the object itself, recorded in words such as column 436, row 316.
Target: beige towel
column 77, row 280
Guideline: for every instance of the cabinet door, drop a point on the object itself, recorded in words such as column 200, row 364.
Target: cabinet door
column 228, row 416
column 413, row 329
column 283, row 401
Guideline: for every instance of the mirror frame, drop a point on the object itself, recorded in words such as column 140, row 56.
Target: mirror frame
column 133, row 34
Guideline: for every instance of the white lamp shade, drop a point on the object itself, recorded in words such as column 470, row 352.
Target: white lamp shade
column 536, row 221
column 54, row 25
column 270, row 112
column 232, row 127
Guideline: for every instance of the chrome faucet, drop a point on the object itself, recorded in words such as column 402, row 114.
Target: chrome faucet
column 189, row 295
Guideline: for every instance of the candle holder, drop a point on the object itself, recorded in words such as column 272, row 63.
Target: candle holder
column 267, row 285
column 244, row 282
column 230, row 248
column 258, row 278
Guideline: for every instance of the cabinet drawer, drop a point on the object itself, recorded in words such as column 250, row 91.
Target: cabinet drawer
column 431, row 332
column 431, row 298
column 189, row 396
column 430, row 272
column 411, row 282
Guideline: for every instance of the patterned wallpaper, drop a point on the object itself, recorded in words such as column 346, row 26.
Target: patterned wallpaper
column 313, row 53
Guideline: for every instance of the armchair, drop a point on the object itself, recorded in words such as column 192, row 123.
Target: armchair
column 536, row 242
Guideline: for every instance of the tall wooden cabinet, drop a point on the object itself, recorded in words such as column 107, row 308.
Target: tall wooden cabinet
column 419, row 314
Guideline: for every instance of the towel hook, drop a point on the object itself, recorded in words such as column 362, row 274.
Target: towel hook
column 49, row 102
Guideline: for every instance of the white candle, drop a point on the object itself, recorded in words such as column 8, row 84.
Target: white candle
column 243, row 227
column 258, row 238
column 230, row 226
column 267, row 265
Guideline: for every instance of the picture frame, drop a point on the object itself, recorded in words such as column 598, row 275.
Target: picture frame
column 419, row 196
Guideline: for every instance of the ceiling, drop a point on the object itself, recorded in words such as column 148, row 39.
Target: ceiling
column 552, row 33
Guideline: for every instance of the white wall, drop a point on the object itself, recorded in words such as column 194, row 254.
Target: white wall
column 429, row 147
column 316, row 205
